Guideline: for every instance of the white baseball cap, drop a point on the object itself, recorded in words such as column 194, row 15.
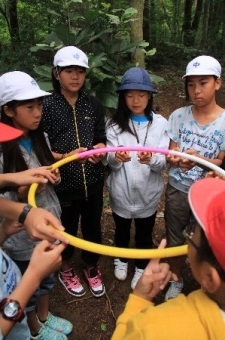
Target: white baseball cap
column 18, row 85
column 203, row 66
column 70, row 55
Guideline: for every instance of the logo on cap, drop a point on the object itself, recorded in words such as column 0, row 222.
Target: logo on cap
column 76, row 56
column 33, row 82
column 196, row 64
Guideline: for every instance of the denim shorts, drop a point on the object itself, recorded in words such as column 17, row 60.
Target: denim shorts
column 45, row 287
column 177, row 215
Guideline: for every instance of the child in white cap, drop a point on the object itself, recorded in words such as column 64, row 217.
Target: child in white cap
column 201, row 314
column 21, row 107
column 135, row 181
column 74, row 121
column 197, row 129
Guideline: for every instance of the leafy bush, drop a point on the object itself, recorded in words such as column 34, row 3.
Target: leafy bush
column 104, row 35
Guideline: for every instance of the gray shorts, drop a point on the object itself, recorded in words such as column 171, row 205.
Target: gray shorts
column 177, row 215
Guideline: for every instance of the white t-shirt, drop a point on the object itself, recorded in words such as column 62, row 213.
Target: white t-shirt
column 208, row 140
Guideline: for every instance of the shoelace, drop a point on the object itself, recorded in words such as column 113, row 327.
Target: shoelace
column 95, row 281
column 71, row 281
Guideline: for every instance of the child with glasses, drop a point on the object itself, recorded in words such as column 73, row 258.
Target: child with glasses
column 201, row 314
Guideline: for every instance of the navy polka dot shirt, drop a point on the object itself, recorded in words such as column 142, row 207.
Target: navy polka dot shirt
column 69, row 128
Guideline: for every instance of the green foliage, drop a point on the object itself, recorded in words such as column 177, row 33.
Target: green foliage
column 103, row 327
column 103, row 33
column 165, row 54
column 18, row 59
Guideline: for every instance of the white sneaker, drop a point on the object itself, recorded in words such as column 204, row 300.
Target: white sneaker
column 174, row 290
column 120, row 269
column 137, row 274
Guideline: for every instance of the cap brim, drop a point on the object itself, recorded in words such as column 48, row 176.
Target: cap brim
column 31, row 95
column 200, row 74
column 136, row 87
column 201, row 195
column 8, row 133
column 70, row 63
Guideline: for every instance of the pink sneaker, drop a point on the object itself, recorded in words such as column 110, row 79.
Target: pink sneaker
column 94, row 280
column 71, row 282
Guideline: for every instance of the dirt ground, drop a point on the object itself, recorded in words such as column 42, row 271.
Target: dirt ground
column 94, row 318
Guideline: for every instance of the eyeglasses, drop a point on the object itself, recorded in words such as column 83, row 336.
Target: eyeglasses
column 189, row 232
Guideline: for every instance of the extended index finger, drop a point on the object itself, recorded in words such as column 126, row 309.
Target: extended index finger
column 153, row 265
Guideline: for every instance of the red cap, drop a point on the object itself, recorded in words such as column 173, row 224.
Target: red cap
column 7, row 133
column 207, row 201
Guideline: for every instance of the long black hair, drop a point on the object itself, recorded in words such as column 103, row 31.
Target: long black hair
column 122, row 114
column 12, row 156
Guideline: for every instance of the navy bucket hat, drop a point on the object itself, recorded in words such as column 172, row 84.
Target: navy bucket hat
column 136, row 78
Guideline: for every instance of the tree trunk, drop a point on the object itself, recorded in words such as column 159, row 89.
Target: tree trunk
column 152, row 24
column 13, row 21
column 187, row 22
column 205, row 25
column 215, row 22
column 137, row 30
column 146, row 21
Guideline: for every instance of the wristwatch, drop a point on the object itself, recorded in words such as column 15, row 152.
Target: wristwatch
column 24, row 213
column 11, row 310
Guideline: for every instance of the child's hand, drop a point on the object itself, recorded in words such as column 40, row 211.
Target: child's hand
column 122, row 156
column 22, row 192
column 57, row 178
column 75, row 152
column 214, row 174
column 46, row 259
column 154, row 278
column 10, row 227
column 94, row 159
column 173, row 159
column 34, row 175
column 186, row 164
column 144, row 157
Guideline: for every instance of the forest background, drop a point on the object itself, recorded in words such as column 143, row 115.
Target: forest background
column 116, row 35
column 161, row 35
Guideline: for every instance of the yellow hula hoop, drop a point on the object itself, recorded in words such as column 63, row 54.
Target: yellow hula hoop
column 110, row 250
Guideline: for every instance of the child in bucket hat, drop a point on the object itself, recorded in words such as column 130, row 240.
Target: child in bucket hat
column 197, row 129
column 201, row 314
column 135, row 182
column 74, row 121
column 136, row 78
column 21, row 107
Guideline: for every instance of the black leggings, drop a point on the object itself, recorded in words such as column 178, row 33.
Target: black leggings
column 89, row 213
column 143, row 235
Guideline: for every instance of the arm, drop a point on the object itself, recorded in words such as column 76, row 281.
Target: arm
column 158, row 161
column 99, row 125
column 99, row 140
column 173, row 160
column 115, row 159
column 39, row 175
column 153, row 280
column 186, row 164
column 45, row 259
column 38, row 221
